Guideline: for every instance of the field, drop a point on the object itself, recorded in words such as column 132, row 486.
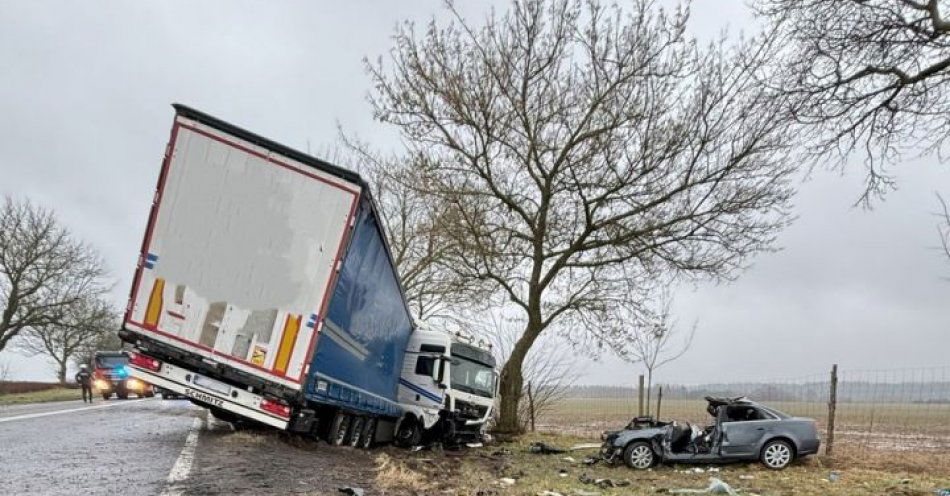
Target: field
column 886, row 426
column 56, row 394
column 510, row 469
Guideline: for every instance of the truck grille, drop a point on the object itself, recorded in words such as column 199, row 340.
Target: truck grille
column 470, row 410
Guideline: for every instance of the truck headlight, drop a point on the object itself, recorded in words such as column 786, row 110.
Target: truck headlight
column 133, row 384
column 101, row 384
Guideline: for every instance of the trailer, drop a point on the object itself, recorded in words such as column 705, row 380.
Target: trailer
column 266, row 289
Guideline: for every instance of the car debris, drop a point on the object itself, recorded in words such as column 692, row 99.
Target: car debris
column 540, row 448
column 746, row 477
column 549, row 493
column 569, row 459
column 585, row 446
column 581, row 492
column 603, row 483
column 353, row 491
column 716, row 486
column 768, row 435
column 507, row 481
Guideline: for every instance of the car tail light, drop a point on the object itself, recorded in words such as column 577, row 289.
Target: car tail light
column 276, row 407
column 146, row 362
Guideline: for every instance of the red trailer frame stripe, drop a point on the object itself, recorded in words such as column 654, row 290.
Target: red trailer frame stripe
column 153, row 216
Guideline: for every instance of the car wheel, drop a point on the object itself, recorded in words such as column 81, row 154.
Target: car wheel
column 777, row 454
column 409, row 433
column 369, row 433
column 339, row 429
column 639, row 455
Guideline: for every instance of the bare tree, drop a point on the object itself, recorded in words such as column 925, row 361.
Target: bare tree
column 866, row 75
column 573, row 147
column 943, row 228
column 551, row 367
column 43, row 269
column 64, row 339
column 655, row 340
column 412, row 223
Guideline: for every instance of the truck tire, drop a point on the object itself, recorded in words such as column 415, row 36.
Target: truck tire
column 106, row 396
column 122, row 396
column 369, row 433
column 339, row 428
column 356, row 431
column 409, row 433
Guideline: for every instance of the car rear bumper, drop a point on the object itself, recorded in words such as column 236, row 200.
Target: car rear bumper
column 809, row 447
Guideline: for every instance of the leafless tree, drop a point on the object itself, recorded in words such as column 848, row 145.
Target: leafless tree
column 412, row 223
column 43, row 269
column 551, row 367
column 64, row 339
column 5, row 373
column 943, row 228
column 866, row 75
column 573, row 146
column 654, row 337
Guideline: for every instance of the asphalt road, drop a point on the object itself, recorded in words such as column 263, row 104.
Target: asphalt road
column 113, row 447
column 158, row 447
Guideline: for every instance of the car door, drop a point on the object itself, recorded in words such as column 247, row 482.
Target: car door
column 742, row 434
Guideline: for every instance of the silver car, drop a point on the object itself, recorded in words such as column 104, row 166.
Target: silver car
column 742, row 430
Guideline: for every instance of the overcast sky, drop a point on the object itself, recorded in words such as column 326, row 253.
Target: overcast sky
column 85, row 94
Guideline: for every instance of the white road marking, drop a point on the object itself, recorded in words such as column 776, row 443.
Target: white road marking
column 182, row 467
column 57, row 412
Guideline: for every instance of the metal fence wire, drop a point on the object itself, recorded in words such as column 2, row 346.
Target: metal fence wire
column 887, row 409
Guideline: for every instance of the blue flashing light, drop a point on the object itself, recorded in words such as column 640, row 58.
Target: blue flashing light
column 121, row 372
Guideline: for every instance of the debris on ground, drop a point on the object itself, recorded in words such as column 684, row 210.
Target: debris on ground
column 506, row 481
column 585, row 446
column 562, row 472
column 540, row 448
column 834, row 476
column 486, row 492
column 581, row 492
column 716, row 486
column 549, row 493
column 603, row 483
column 591, row 460
column 502, row 452
column 474, row 445
column 746, row 477
column 569, row 459
column 353, row 491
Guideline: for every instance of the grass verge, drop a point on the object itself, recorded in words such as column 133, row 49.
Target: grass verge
column 58, row 394
column 480, row 472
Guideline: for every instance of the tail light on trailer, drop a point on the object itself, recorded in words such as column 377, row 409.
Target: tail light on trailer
column 146, row 362
column 276, row 407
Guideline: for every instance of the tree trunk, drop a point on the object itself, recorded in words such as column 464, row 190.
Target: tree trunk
column 61, row 372
column 512, row 381
column 649, row 388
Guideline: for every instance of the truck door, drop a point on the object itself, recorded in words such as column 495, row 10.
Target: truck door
column 422, row 384
column 743, row 427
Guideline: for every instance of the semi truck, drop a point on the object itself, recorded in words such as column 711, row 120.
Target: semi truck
column 266, row 291
column 110, row 375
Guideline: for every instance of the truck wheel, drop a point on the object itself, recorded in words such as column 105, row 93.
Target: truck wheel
column 339, row 429
column 356, row 431
column 122, row 396
column 106, row 396
column 369, row 433
column 639, row 455
column 150, row 394
column 409, row 433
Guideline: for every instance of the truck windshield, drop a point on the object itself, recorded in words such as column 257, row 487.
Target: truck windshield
column 473, row 377
column 111, row 361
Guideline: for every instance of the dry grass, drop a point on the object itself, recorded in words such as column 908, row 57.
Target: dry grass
column 478, row 473
column 393, row 474
column 57, row 394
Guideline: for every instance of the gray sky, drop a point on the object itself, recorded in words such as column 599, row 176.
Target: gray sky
column 85, row 89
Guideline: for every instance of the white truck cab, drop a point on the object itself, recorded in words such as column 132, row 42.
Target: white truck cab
column 447, row 388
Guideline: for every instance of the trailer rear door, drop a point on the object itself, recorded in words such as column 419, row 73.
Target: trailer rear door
column 240, row 252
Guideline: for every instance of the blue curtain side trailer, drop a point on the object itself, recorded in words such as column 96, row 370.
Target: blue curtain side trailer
column 266, row 289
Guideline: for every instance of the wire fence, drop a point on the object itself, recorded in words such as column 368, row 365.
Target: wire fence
column 896, row 409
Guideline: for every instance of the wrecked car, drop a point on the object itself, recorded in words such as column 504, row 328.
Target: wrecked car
column 741, row 430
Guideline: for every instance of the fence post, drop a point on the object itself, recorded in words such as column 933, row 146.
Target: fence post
column 531, row 405
column 659, row 400
column 832, row 404
column 640, row 403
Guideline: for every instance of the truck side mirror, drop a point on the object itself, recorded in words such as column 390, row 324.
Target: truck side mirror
column 439, row 375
